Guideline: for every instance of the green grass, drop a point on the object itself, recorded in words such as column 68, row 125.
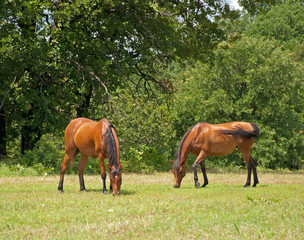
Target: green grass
column 150, row 208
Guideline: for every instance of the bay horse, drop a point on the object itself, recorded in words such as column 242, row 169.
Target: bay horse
column 205, row 139
column 92, row 139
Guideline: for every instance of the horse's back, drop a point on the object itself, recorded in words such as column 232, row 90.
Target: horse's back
column 243, row 133
column 233, row 125
column 205, row 138
column 209, row 137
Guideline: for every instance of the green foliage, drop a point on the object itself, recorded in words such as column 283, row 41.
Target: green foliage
column 155, row 158
column 144, row 160
column 48, row 153
column 284, row 22
column 145, row 132
column 21, row 170
column 62, row 59
column 259, row 6
column 247, row 81
column 57, row 60
column 133, row 161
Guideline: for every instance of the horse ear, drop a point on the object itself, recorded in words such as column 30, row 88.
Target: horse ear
column 171, row 161
column 119, row 167
column 109, row 167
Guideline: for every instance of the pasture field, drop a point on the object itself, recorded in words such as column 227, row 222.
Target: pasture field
column 150, row 208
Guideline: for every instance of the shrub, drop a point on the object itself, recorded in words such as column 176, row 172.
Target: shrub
column 46, row 156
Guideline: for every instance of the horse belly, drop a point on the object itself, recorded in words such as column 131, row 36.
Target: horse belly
column 221, row 149
column 87, row 148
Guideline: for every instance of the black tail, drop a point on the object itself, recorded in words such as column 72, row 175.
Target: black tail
column 243, row 133
column 111, row 146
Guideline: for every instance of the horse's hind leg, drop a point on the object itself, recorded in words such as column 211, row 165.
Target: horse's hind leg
column 246, row 156
column 71, row 152
column 248, row 182
column 245, row 146
column 255, row 175
column 70, row 155
column 83, row 162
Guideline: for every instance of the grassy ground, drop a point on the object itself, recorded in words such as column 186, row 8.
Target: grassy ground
column 150, row 208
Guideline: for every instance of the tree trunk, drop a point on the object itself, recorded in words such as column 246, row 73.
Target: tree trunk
column 83, row 108
column 29, row 135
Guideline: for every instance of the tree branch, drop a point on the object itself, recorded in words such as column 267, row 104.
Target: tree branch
column 92, row 74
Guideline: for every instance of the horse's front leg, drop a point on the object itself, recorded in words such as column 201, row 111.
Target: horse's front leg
column 200, row 159
column 196, row 183
column 103, row 173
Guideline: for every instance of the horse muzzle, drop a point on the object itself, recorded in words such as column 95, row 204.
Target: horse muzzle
column 117, row 193
column 176, row 186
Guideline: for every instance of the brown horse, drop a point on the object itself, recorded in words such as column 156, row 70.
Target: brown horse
column 205, row 139
column 92, row 139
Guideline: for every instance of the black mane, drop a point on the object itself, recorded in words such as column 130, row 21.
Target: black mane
column 111, row 146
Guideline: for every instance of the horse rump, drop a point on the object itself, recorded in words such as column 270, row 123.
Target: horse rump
column 238, row 131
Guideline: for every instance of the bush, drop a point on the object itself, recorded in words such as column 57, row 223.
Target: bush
column 46, row 156
column 19, row 170
column 132, row 161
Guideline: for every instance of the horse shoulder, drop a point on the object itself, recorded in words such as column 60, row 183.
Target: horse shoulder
column 99, row 130
column 200, row 137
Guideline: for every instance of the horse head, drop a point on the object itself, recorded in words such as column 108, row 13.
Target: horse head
column 115, row 178
column 179, row 171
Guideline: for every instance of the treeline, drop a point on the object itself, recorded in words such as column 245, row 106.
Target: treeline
column 154, row 69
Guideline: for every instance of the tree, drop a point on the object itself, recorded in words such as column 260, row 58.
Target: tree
column 258, row 7
column 284, row 22
column 66, row 58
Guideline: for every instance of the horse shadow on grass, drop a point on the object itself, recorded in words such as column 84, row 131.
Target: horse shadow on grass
column 122, row 192
column 222, row 186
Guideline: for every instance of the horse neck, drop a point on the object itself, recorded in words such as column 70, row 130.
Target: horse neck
column 185, row 150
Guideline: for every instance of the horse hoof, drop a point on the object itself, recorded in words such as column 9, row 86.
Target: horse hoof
column 246, row 185
column 197, row 185
column 60, row 190
column 105, row 192
column 204, row 185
